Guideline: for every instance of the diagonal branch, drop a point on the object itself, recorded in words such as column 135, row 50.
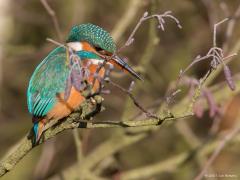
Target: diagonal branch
column 26, row 144
column 76, row 120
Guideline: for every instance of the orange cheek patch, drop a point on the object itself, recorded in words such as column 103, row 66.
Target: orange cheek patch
column 88, row 47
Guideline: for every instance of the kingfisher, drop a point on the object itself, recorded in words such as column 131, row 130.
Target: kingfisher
column 46, row 90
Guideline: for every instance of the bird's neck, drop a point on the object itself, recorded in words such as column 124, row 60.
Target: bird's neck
column 79, row 46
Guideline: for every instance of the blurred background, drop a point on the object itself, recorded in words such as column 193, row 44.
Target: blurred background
column 157, row 55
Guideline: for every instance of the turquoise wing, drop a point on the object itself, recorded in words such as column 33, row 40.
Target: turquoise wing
column 48, row 79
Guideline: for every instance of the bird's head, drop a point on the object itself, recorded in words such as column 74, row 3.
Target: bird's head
column 97, row 44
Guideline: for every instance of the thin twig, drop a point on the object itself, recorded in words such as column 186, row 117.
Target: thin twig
column 217, row 56
column 137, row 104
column 145, row 17
column 52, row 14
column 198, row 59
column 215, row 31
column 57, row 43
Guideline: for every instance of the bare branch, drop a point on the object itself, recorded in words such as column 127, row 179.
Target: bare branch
column 215, row 30
column 217, row 57
column 145, row 17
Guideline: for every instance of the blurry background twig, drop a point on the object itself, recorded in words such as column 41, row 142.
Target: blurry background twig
column 54, row 18
column 228, row 137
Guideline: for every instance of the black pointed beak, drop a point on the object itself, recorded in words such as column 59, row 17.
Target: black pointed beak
column 126, row 67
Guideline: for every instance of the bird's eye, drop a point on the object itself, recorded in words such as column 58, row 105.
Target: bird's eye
column 98, row 49
column 102, row 51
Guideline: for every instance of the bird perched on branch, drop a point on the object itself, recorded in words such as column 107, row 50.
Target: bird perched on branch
column 55, row 88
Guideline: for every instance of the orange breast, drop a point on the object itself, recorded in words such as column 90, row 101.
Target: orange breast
column 93, row 68
column 64, row 108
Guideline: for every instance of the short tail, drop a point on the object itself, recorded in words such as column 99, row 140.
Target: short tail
column 38, row 129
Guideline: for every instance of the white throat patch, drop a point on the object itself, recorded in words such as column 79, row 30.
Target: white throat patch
column 76, row 46
column 96, row 61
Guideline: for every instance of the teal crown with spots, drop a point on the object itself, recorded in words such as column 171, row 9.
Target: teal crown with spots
column 94, row 35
